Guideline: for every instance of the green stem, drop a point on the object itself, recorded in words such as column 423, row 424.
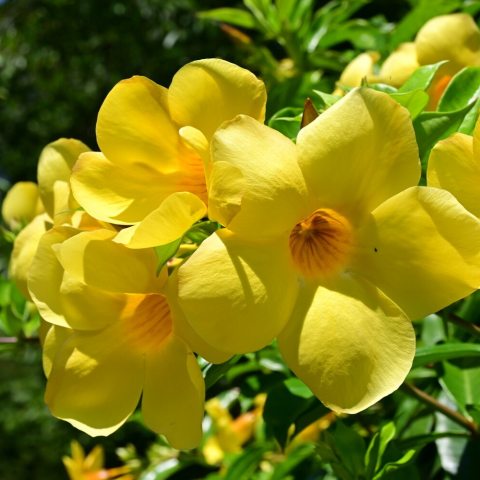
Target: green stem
column 12, row 340
column 424, row 397
column 460, row 322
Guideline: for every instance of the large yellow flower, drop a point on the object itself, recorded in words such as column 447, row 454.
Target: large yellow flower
column 333, row 248
column 150, row 170
column 453, row 37
column 454, row 165
column 44, row 205
column 114, row 337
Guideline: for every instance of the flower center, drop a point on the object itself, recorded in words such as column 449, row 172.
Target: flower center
column 147, row 320
column 321, row 243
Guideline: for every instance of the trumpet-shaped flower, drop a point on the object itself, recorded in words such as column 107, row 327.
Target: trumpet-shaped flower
column 114, row 337
column 454, row 165
column 331, row 246
column 150, row 170
column 43, row 205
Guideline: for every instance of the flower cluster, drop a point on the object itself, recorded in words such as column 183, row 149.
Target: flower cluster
column 329, row 245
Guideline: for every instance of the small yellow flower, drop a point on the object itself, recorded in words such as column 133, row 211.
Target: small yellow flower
column 334, row 248
column 21, row 205
column 90, row 467
column 154, row 149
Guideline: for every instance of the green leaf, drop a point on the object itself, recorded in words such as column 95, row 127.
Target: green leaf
column 462, row 383
column 421, row 78
column 433, row 330
column 430, row 127
column 287, row 121
column 212, row 372
column 295, row 458
column 285, row 402
column 414, row 101
column 468, row 124
column 246, row 463
column 376, row 448
column 391, row 466
column 166, row 252
column 327, row 99
column 350, row 448
column 462, row 90
column 446, row 351
column 234, row 16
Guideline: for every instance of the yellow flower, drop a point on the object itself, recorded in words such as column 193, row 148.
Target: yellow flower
column 42, row 206
column 90, row 467
column 21, row 205
column 152, row 140
column 454, row 165
column 334, row 249
column 230, row 434
column 453, row 37
column 115, row 337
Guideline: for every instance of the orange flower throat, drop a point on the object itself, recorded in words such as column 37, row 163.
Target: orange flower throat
column 320, row 244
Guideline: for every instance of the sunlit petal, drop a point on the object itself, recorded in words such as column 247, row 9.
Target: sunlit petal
column 272, row 190
column 205, row 93
column 422, row 249
column 349, row 343
column 245, row 299
column 359, row 152
column 173, row 394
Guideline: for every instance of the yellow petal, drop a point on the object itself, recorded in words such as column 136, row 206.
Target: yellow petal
column 359, row 68
column 349, row 343
column 175, row 215
column 183, row 329
column 61, row 298
column 21, row 205
column 54, row 338
column 359, row 152
column 24, row 249
column 134, row 128
column 274, row 194
column 173, row 394
column 452, row 166
column 94, row 259
column 205, row 93
column 453, row 37
column 55, row 164
column 422, row 249
column 227, row 186
column 399, row 65
column 85, row 386
column 115, row 194
column 237, row 295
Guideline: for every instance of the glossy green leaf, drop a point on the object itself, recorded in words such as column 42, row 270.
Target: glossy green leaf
column 462, row 90
column 414, row 101
column 295, row 458
column 462, row 383
column 287, row 121
column 391, row 466
column 376, row 448
column 430, row 127
column 446, row 351
column 233, row 16
column 350, row 448
column 468, row 124
column 421, row 78
column 213, row 372
column 285, row 403
column 243, row 467
column 166, row 252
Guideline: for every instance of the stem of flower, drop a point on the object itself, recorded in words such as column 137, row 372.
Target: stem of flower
column 424, row 397
column 11, row 340
column 460, row 322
